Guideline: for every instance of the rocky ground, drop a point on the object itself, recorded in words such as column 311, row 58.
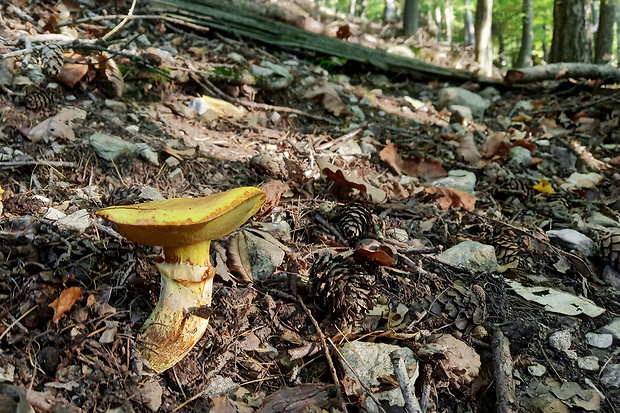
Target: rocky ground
column 468, row 228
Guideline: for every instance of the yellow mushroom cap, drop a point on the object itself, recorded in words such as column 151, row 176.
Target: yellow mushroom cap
column 185, row 221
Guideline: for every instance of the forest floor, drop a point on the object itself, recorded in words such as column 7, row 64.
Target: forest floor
column 369, row 181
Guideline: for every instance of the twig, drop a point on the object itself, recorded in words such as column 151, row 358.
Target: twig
column 427, row 371
column 344, row 137
column 5, row 332
column 121, row 24
column 330, row 362
column 398, row 361
column 502, row 367
column 17, row 164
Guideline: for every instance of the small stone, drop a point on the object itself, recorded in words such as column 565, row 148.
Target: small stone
column 599, row 340
column 53, row 214
column 149, row 154
column 444, row 183
column 148, row 193
column 111, row 147
column 489, row 93
column 471, row 255
column 116, row 105
column 368, row 147
column 565, row 159
column 219, row 386
column 612, row 328
column 70, row 98
column 275, row 117
column 588, row 363
column 172, row 162
column 151, row 393
column 537, row 370
column 236, row 57
column 560, row 340
column 49, row 359
column 460, row 113
column 520, row 156
column 7, row 373
column 176, row 174
column 265, row 257
column 143, row 41
column 571, row 354
column 463, row 180
column 458, row 96
column 610, row 378
column 611, row 277
column 524, row 105
column 132, row 128
column 79, row 221
column 574, row 240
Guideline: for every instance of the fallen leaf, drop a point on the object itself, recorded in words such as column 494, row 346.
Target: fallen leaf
column 238, row 258
column 521, row 118
column 379, row 256
column 531, row 146
column 416, row 166
column 109, row 69
column 496, row 147
column 274, row 190
column 73, row 70
column 390, row 155
column 65, row 302
column 468, row 151
column 328, row 96
column 452, row 198
column 50, row 130
column 544, row 186
column 350, row 180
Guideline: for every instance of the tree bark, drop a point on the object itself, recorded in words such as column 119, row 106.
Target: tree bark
column 527, row 37
column 604, row 73
column 571, row 37
column 438, row 20
column 545, row 44
column 603, row 48
column 411, row 17
column 449, row 19
column 470, row 39
column 484, row 45
column 389, row 13
column 352, row 6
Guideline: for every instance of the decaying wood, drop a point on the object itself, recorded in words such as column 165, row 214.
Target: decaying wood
column 605, row 73
column 502, row 367
column 406, row 388
column 296, row 399
column 237, row 19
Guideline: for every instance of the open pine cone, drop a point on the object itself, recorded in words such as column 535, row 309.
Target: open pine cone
column 610, row 250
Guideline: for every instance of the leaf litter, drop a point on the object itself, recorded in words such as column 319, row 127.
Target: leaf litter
column 75, row 293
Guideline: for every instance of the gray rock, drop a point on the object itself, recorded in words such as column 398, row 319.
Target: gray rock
column 265, row 257
column 151, row 393
column 79, row 221
column 599, row 340
column 524, row 106
column 368, row 147
column 520, row 156
column 537, row 370
column 148, row 193
column 460, row 113
column 611, row 277
column 574, row 240
column 148, row 154
column 588, row 363
column 457, row 96
column 565, row 159
column 560, row 340
column 471, row 255
column 372, row 361
column 172, row 162
column 489, row 93
column 111, row 147
column 611, row 376
column 612, row 328
column 6, row 72
column 116, row 105
column 143, row 41
column 463, row 180
column 219, row 386
column 7, row 373
column 444, row 182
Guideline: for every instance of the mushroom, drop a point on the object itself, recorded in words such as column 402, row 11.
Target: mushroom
column 184, row 227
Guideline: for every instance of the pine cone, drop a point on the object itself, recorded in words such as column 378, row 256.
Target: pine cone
column 355, row 219
column 51, row 56
column 132, row 195
column 342, row 287
column 610, row 250
column 38, row 100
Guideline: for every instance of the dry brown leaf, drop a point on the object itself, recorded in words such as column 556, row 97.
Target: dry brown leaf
column 381, row 257
column 327, row 95
column 452, row 198
column 73, row 70
column 238, row 258
column 109, row 69
column 351, row 180
column 274, row 190
column 390, row 155
column 496, row 147
column 416, row 166
column 395, row 191
column 50, row 130
column 468, row 151
column 65, row 302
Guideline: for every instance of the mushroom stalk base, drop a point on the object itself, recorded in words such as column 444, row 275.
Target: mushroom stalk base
column 171, row 331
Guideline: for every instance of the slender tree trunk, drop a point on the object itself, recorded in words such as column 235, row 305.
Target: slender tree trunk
column 603, row 48
column 449, row 19
column 389, row 13
column 527, row 37
column 438, row 20
column 571, row 37
column 595, row 16
column 411, row 17
column 470, row 40
column 545, row 44
column 484, row 45
column 501, row 55
column 364, row 7
column 352, row 7
column 618, row 37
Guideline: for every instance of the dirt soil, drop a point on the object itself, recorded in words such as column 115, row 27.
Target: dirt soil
column 360, row 169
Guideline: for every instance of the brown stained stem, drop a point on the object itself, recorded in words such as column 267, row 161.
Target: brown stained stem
column 502, row 367
column 330, row 362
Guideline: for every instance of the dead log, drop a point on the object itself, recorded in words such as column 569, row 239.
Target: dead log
column 605, row 73
column 502, row 367
column 238, row 19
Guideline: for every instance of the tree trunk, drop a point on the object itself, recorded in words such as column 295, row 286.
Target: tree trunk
column 603, row 48
column 545, row 44
column 411, row 17
column 595, row 16
column 618, row 37
column 389, row 13
column 571, row 38
column 352, row 7
column 527, row 37
column 438, row 20
column 449, row 19
column 470, row 40
column 364, row 8
column 484, row 46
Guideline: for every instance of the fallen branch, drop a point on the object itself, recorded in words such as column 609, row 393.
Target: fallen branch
column 17, row 164
column 607, row 74
column 398, row 361
column 502, row 367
